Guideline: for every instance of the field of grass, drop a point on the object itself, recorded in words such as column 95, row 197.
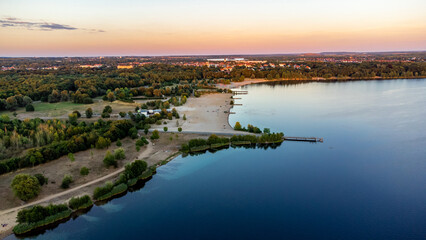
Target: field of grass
column 62, row 109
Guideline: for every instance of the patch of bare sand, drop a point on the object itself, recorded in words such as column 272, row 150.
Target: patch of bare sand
column 206, row 114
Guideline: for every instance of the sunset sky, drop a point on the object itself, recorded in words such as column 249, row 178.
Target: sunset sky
column 187, row 27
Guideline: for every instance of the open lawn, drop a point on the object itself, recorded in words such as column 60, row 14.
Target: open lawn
column 62, row 109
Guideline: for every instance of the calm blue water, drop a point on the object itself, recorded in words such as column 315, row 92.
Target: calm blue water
column 366, row 181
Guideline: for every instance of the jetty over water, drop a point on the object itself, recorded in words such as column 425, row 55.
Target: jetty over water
column 239, row 92
column 303, row 139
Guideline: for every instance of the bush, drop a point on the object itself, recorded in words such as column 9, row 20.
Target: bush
column 100, row 191
column 237, row 126
column 155, row 135
column 25, row 186
column 179, row 129
column 39, row 213
column 107, row 191
column 105, row 115
column 109, row 160
column 107, row 109
column 103, row 143
column 89, row 113
column 66, row 181
column 118, row 143
column 122, row 114
column 29, row 108
column 71, row 157
column 134, row 170
column 26, row 227
column 165, row 129
column 41, row 179
column 119, row 154
column 84, row 171
column 80, row 202
column 77, row 113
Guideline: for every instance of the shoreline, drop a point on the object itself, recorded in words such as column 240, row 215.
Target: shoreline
column 10, row 214
column 234, row 85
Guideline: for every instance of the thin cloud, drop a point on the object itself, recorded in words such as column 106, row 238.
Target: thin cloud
column 11, row 22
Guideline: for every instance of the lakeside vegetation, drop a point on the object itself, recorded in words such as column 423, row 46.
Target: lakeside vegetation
column 215, row 142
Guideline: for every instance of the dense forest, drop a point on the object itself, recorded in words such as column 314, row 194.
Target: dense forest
column 18, row 87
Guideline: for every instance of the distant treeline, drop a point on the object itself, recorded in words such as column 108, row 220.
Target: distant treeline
column 154, row 80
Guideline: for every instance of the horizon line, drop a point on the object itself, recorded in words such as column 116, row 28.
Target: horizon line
column 242, row 54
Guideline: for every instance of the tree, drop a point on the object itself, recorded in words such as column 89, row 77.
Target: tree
column 184, row 117
column 107, row 109
column 165, row 129
column 66, row 181
column 237, row 126
column 109, row 160
column 29, row 108
column 89, row 112
column 119, row 154
column 11, row 103
column 84, row 171
column 25, row 186
column 155, row 135
column 179, row 129
column 72, row 117
column 266, row 130
column 110, row 96
column 135, row 169
column 27, row 100
column 103, row 143
column 122, row 114
column 77, row 113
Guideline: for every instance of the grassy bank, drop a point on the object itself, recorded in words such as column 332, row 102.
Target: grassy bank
column 27, row 227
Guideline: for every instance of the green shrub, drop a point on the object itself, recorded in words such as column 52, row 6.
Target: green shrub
column 119, row 154
column 100, row 191
column 109, row 160
column 66, row 181
column 71, row 157
column 109, row 191
column 29, row 108
column 118, row 143
column 89, row 113
column 179, row 129
column 155, row 135
column 38, row 213
column 41, row 179
column 165, row 129
column 84, row 171
column 39, row 216
column 80, row 202
column 25, row 186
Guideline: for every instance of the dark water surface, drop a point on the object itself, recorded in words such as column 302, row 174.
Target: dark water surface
column 366, row 181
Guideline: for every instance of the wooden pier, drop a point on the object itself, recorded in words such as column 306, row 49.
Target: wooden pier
column 303, row 139
column 239, row 92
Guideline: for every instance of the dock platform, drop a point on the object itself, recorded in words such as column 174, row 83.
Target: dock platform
column 304, row 139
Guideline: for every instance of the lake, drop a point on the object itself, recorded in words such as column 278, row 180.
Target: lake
column 366, row 181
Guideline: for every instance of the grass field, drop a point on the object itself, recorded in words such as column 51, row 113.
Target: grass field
column 62, row 109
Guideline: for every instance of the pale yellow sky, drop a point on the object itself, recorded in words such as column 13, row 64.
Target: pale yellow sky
column 166, row 27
